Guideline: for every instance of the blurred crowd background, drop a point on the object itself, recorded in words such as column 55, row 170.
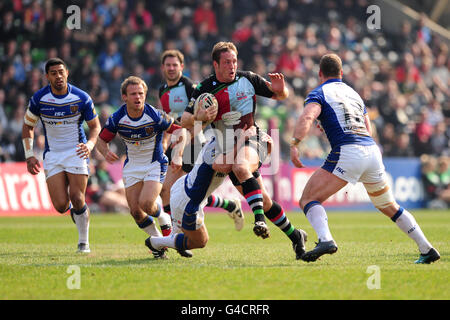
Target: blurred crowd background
column 402, row 76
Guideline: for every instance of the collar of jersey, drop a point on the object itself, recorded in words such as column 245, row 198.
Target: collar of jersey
column 333, row 80
column 138, row 118
column 60, row 96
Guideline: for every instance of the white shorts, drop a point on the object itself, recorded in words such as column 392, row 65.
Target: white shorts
column 154, row 171
column 185, row 214
column 68, row 161
column 356, row 163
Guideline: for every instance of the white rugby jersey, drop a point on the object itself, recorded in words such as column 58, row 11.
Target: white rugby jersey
column 342, row 115
column 201, row 182
column 142, row 136
column 62, row 116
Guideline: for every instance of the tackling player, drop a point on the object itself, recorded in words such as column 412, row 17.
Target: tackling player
column 141, row 127
column 189, row 196
column 354, row 157
column 62, row 109
column 174, row 96
column 236, row 93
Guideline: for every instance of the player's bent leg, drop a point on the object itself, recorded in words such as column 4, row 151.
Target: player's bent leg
column 80, row 212
column 57, row 188
column 383, row 199
column 319, row 188
column 232, row 206
column 196, row 239
column 170, row 179
column 147, row 201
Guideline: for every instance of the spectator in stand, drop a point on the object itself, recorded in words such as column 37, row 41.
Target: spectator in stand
column 430, row 181
column 110, row 58
column 97, row 89
column 205, row 13
column 141, row 19
column 101, row 191
column 113, row 85
column 422, row 135
column 402, row 146
column 440, row 141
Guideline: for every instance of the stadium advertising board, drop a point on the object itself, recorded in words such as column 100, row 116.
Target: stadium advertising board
column 22, row 194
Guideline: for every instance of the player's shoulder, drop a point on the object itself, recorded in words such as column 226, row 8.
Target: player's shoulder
column 187, row 81
column 40, row 93
column 207, row 84
column 83, row 95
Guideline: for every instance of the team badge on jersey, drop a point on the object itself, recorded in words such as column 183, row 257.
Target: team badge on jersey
column 149, row 130
column 74, row 108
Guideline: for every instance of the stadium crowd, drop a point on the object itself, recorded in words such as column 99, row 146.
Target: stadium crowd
column 403, row 77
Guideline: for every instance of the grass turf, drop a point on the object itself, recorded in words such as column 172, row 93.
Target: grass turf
column 36, row 253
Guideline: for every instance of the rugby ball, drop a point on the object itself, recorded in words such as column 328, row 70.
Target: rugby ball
column 206, row 100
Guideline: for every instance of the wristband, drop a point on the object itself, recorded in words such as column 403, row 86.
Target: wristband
column 294, row 142
column 90, row 145
column 28, row 147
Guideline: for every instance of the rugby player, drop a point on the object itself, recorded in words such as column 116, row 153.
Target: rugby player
column 174, row 96
column 354, row 157
column 141, row 127
column 236, row 93
column 62, row 109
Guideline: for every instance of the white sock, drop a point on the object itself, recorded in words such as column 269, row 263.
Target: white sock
column 151, row 230
column 82, row 222
column 406, row 222
column 162, row 242
column 164, row 219
column 318, row 219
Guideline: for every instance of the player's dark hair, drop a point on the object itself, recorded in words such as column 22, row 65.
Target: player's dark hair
column 331, row 65
column 220, row 47
column 174, row 54
column 54, row 62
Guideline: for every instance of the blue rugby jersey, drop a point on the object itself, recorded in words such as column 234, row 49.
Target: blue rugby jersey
column 342, row 115
column 62, row 116
column 142, row 136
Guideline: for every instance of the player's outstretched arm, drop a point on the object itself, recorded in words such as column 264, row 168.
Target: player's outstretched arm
column 103, row 146
column 305, row 121
column 278, row 86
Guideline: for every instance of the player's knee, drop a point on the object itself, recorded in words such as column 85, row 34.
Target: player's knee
column 241, row 170
column 381, row 196
column 223, row 168
column 61, row 207
column 77, row 198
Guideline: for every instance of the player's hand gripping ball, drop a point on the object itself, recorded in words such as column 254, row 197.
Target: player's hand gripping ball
column 205, row 101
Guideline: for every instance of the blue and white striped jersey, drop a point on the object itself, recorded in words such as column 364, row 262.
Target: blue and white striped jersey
column 62, row 116
column 342, row 115
column 142, row 136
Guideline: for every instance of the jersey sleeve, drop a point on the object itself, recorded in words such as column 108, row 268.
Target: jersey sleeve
column 34, row 107
column 89, row 110
column 190, row 87
column 164, row 121
column 109, row 130
column 195, row 94
column 314, row 96
column 259, row 83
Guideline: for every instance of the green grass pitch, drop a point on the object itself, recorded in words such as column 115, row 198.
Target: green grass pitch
column 37, row 254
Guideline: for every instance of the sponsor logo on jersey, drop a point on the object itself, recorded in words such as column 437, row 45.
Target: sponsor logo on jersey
column 241, row 95
column 74, row 108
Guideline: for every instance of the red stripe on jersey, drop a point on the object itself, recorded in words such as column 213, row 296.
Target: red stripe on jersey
column 165, row 102
column 223, row 100
column 106, row 135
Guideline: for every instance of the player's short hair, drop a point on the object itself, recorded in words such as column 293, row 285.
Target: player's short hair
column 130, row 81
column 174, row 54
column 54, row 62
column 220, row 47
column 331, row 65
